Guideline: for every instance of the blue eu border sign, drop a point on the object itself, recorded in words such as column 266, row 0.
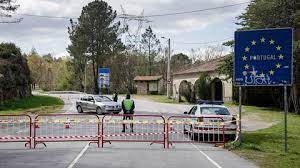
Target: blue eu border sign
column 103, row 78
column 263, row 57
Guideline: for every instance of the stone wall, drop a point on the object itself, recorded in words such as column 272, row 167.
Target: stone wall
column 192, row 77
column 14, row 74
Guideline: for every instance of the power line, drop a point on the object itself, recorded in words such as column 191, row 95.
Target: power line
column 203, row 43
column 47, row 16
column 193, row 11
column 139, row 17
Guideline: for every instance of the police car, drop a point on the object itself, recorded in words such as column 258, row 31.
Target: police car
column 214, row 116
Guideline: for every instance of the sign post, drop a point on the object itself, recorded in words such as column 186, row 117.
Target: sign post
column 264, row 58
column 285, row 119
column 103, row 78
column 240, row 114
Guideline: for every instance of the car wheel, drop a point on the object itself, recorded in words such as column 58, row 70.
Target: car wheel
column 98, row 111
column 79, row 109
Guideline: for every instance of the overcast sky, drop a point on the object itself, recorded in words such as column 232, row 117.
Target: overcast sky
column 50, row 35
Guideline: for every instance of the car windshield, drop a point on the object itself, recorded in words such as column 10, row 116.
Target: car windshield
column 102, row 99
column 214, row 111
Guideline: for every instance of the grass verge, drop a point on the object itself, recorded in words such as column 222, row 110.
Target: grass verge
column 265, row 147
column 32, row 105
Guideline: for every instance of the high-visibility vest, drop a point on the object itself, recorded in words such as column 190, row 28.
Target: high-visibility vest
column 128, row 103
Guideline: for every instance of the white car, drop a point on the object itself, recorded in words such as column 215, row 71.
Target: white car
column 213, row 116
column 99, row 104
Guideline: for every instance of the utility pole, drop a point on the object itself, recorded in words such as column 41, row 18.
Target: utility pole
column 168, row 70
column 85, row 76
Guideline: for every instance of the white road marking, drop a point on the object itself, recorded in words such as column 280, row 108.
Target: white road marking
column 207, row 157
column 79, row 156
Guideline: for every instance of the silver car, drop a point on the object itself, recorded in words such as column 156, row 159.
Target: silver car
column 99, row 104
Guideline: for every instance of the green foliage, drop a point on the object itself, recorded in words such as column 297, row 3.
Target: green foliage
column 30, row 102
column 203, row 87
column 14, row 73
column 178, row 61
column 268, row 14
column 94, row 38
column 151, row 46
column 49, row 73
column 226, row 67
column 9, row 50
column 185, row 90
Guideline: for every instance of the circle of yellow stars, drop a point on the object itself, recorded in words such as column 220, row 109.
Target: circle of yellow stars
column 262, row 40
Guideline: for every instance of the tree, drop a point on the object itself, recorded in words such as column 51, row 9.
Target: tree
column 226, row 67
column 185, row 90
column 94, row 37
column 178, row 61
column 200, row 55
column 151, row 46
column 268, row 14
column 14, row 73
column 6, row 7
column 35, row 64
column 203, row 87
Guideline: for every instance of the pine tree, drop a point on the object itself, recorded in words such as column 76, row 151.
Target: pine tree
column 94, row 37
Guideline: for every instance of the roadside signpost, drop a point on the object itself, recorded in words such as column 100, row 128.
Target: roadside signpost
column 103, row 78
column 264, row 58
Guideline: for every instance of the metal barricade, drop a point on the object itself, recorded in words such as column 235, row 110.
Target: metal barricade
column 192, row 129
column 16, row 128
column 146, row 128
column 66, row 128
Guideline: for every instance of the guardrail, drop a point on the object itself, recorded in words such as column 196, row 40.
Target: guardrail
column 16, row 128
column 66, row 127
column 133, row 128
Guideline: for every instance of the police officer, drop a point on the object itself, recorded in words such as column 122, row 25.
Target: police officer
column 128, row 109
column 115, row 96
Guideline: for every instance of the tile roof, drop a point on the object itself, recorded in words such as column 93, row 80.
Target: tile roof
column 207, row 66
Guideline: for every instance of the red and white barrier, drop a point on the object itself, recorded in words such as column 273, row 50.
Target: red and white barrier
column 16, row 128
column 66, row 127
column 138, row 128
column 192, row 129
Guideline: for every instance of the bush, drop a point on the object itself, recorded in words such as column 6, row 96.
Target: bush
column 185, row 90
column 14, row 74
column 203, row 87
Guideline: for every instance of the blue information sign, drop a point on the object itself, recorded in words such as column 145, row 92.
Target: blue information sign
column 103, row 77
column 263, row 57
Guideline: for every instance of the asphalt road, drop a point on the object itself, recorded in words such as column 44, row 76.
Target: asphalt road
column 142, row 106
column 120, row 154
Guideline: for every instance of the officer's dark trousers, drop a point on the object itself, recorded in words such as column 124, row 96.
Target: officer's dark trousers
column 128, row 118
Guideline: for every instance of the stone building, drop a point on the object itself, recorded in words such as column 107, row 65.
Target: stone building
column 149, row 84
column 221, row 89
